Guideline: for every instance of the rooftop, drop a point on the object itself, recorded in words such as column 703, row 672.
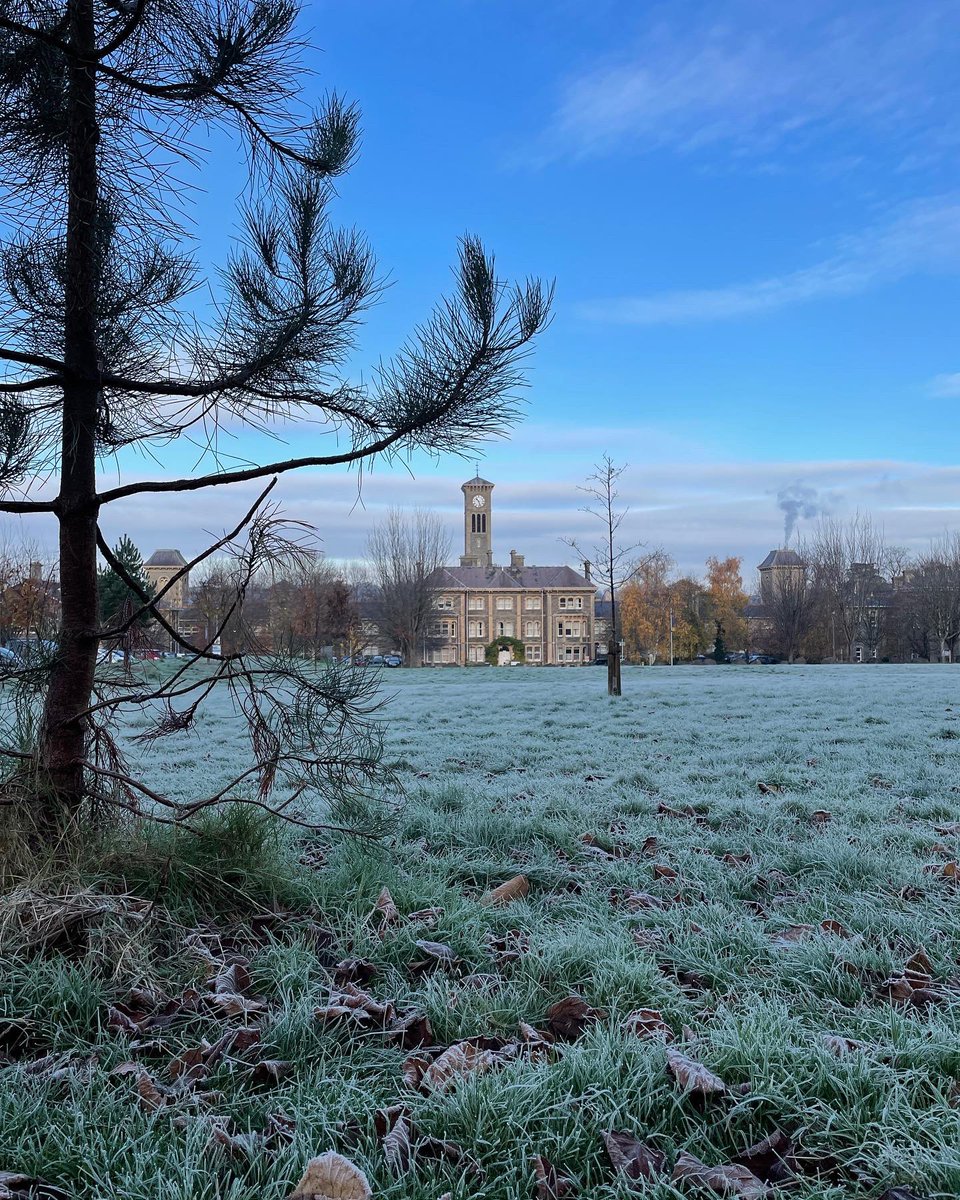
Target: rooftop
column 510, row 579
column 781, row 558
column 166, row 558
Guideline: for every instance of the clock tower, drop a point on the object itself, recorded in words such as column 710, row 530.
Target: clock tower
column 477, row 523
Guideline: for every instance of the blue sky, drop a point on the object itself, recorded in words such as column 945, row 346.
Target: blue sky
column 752, row 212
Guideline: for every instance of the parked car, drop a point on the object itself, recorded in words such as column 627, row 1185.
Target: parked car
column 392, row 660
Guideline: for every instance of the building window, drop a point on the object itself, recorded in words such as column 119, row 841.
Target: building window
column 532, row 653
column 559, row 629
column 505, row 603
column 447, row 654
column 445, row 602
column 571, row 602
column 476, row 654
column 476, row 629
column 531, row 629
column 504, row 629
column 531, row 603
column 475, row 603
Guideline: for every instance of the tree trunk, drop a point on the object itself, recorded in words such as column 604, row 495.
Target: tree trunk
column 64, row 730
column 613, row 668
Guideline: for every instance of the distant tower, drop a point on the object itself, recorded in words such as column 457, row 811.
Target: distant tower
column 477, row 523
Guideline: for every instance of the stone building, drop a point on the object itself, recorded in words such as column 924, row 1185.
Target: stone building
column 175, row 605
column 549, row 609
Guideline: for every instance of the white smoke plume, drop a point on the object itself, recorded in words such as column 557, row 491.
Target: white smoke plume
column 801, row 500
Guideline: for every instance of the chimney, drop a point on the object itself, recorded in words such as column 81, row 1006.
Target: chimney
column 36, row 572
column 516, row 561
column 587, row 564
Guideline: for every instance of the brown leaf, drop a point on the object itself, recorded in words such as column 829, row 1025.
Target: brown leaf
column 633, row 900
column 791, row 935
column 269, row 1071
column 647, row 1023
column 662, row 871
column 568, row 1018
column 693, row 1077
column 411, row 1030
column 767, row 788
column 455, row 1064
column 152, row 1096
column 650, row 845
column 354, row 970
column 240, row 1145
column 919, row 964
column 14, row 1186
column 633, row 1158
column 840, row 1046
column 353, row 1003
column 770, row 1160
column 232, row 980
column 437, row 954
column 724, row 1181
column 513, row 889
column 737, row 860
column 820, row 817
column 384, row 912
column 396, row 1145
column 549, row 1183
column 834, row 927
column 332, row 1177
column 425, row 916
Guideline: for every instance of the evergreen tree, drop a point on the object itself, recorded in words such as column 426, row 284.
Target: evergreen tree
column 719, row 645
column 117, row 598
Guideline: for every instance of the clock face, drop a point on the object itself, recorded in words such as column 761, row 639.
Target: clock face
column 479, row 501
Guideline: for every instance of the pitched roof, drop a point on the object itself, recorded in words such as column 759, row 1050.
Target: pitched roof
column 513, row 579
column 781, row 558
column 476, row 481
column 166, row 558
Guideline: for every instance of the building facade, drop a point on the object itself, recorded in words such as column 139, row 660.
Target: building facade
column 550, row 610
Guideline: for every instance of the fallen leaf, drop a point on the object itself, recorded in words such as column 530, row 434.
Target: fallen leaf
column 437, row 954
column 840, row 1046
column 352, row 1002
column 725, row 1181
column 693, row 1077
column 737, row 860
column 332, row 1177
column 354, row 970
column 919, row 964
column 568, row 1018
column 791, row 935
column 455, row 1064
column 384, row 912
column 14, row 1186
column 631, row 1157
column 834, row 927
column 820, row 817
column 647, row 1023
column 767, row 788
column 232, row 980
column 770, row 1160
column 152, row 1096
column 425, row 916
column 513, row 889
column 662, row 871
column 549, row 1184
column 269, row 1071
column 633, row 900
column 411, row 1030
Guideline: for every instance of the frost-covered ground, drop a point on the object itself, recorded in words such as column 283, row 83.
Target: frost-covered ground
column 760, row 921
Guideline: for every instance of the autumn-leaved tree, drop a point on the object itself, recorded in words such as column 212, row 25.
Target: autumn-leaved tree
column 728, row 600
column 99, row 100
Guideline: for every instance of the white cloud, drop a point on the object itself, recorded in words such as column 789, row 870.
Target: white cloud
column 760, row 77
column 923, row 237
column 945, row 387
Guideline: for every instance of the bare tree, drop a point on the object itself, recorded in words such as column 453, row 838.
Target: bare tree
column 848, row 558
column 406, row 554
column 935, row 591
column 101, row 351
column 614, row 560
column 792, row 604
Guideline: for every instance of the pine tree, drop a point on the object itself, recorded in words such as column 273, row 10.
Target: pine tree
column 719, row 645
column 100, row 349
column 117, row 597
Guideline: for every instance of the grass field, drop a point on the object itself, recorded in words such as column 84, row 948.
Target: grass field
column 763, row 856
